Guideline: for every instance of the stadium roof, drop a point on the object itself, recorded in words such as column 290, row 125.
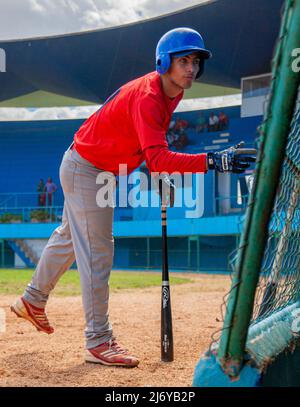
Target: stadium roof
column 93, row 64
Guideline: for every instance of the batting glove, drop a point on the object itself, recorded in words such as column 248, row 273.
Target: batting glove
column 234, row 159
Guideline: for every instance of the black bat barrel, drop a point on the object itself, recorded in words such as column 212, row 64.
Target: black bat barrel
column 167, row 351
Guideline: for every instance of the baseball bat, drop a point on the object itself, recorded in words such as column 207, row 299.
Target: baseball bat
column 167, row 348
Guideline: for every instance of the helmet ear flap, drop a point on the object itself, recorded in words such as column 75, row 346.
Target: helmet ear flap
column 201, row 68
column 163, row 62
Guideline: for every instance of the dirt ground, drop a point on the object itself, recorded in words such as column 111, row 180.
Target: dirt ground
column 33, row 359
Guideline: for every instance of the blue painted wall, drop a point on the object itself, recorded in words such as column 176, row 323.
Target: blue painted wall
column 193, row 244
column 221, row 225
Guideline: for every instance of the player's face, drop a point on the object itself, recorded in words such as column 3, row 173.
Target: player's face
column 184, row 69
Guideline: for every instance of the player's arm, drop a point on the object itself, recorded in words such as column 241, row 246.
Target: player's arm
column 234, row 159
column 160, row 158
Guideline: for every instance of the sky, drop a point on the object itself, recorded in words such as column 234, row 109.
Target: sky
column 31, row 18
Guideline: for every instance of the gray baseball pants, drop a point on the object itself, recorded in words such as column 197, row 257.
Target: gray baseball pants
column 85, row 235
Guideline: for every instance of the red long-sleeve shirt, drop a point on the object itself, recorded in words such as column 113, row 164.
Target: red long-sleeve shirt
column 131, row 127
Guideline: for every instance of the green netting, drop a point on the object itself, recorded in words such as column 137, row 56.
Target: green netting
column 266, row 267
column 278, row 291
column 279, row 283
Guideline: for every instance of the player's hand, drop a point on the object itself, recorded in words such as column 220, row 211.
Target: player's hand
column 166, row 189
column 234, row 159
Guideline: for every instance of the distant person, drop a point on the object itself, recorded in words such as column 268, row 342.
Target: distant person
column 201, row 124
column 41, row 195
column 50, row 188
column 213, row 122
column 172, row 124
column 171, row 138
column 223, row 121
column 180, row 125
column 181, row 141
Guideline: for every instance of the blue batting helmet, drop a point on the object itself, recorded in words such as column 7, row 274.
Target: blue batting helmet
column 179, row 42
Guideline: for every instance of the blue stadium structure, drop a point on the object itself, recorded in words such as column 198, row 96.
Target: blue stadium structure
column 33, row 149
column 90, row 66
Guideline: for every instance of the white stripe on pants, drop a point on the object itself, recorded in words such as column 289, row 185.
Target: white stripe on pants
column 85, row 234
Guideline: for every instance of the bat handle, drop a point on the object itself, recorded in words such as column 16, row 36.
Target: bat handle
column 165, row 274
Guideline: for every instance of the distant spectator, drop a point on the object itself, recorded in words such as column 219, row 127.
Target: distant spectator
column 180, row 125
column 181, row 141
column 171, row 138
column 50, row 188
column 201, row 124
column 213, row 122
column 41, row 195
column 223, row 121
column 172, row 124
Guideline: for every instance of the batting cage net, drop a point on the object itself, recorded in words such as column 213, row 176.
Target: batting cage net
column 279, row 283
column 259, row 341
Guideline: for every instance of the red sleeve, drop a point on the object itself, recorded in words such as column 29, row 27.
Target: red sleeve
column 150, row 122
column 160, row 159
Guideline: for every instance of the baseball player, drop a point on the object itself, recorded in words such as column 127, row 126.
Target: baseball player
column 129, row 128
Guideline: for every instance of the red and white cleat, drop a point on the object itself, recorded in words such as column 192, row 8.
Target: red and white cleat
column 111, row 354
column 37, row 316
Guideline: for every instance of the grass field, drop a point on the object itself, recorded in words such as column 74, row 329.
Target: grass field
column 46, row 99
column 43, row 99
column 13, row 281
